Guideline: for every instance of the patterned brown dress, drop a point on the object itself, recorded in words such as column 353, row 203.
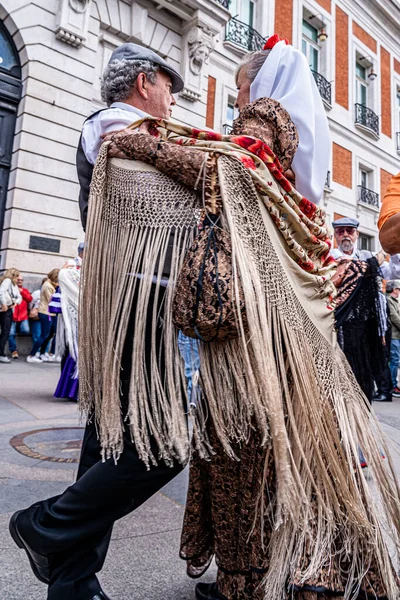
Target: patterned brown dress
column 222, row 517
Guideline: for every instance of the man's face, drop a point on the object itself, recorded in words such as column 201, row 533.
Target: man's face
column 346, row 238
column 396, row 292
column 20, row 281
column 159, row 101
column 243, row 86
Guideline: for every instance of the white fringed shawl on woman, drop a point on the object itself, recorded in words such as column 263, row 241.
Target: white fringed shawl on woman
column 284, row 374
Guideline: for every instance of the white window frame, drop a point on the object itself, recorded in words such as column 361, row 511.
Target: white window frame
column 311, row 44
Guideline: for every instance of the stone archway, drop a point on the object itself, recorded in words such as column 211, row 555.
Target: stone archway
column 10, row 95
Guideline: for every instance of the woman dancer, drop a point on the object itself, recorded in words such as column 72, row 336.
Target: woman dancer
column 280, row 499
column 67, row 331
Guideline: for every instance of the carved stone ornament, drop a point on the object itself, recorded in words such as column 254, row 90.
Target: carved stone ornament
column 79, row 6
column 73, row 21
column 200, row 44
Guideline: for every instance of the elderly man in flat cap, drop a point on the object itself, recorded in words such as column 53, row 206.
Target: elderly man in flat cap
column 66, row 537
column 359, row 320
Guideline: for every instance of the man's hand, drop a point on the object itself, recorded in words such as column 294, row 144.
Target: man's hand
column 4, row 308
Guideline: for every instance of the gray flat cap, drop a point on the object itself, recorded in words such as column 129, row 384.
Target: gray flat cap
column 345, row 222
column 132, row 51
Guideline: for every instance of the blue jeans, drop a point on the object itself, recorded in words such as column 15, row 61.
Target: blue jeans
column 394, row 360
column 189, row 349
column 35, row 331
column 47, row 330
column 17, row 327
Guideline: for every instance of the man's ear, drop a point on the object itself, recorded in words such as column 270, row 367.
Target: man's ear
column 142, row 85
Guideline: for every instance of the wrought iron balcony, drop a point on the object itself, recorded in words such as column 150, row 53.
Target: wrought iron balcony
column 227, row 129
column 398, row 141
column 367, row 118
column 224, row 3
column 243, row 35
column 324, row 87
column 367, row 196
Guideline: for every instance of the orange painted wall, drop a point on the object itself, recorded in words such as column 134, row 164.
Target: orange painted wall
column 342, row 165
column 386, row 96
column 342, row 58
column 365, row 37
column 284, row 18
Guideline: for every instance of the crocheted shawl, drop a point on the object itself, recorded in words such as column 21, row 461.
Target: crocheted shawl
column 284, row 374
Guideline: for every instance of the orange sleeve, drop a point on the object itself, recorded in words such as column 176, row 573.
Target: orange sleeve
column 391, row 201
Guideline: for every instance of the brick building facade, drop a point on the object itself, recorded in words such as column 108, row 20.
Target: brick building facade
column 52, row 53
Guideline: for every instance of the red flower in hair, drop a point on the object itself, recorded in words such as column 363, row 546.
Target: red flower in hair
column 272, row 40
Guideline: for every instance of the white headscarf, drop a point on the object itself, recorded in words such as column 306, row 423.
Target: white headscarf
column 286, row 77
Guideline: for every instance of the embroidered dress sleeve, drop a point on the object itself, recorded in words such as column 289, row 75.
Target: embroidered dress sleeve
column 182, row 163
column 267, row 120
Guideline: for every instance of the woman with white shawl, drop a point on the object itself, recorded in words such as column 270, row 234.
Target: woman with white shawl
column 67, row 331
column 280, row 502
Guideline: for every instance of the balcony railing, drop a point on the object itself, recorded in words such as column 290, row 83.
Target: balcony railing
column 243, row 35
column 227, row 129
column 398, row 141
column 367, row 196
column 324, row 87
column 366, row 117
column 224, row 3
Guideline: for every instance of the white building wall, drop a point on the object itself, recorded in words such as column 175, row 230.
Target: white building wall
column 61, row 88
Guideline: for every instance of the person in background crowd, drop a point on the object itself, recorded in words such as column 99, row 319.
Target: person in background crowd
column 10, row 297
column 346, row 234
column 67, row 331
column 389, row 219
column 20, row 320
column 79, row 258
column 393, row 292
column 358, row 318
column 48, row 321
column 383, row 378
column 34, row 322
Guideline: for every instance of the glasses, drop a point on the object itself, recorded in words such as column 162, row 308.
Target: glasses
column 343, row 230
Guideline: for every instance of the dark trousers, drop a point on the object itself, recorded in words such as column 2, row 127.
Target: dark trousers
column 5, row 327
column 383, row 379
column 74, row 529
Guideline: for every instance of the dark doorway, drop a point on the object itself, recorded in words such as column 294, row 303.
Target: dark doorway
column 10, row 94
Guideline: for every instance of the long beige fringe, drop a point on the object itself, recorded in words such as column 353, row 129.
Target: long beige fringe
column 131, row 214
column 290, row 377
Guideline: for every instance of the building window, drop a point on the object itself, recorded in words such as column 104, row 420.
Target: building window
column 364, row 178
column 361, row 85
column 366, row 194
column 230, row 116
column 244, row 10
column 310, row 47
column 365, row 242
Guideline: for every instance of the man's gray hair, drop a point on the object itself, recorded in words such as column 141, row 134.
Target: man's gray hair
column 120, row 76
column 253, row 63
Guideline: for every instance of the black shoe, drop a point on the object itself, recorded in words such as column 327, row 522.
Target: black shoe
column 101, row 596
column 383, row 398
column 208, row 591
column 39, row 564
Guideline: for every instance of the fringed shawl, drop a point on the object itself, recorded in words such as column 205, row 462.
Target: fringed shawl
column 284, row 375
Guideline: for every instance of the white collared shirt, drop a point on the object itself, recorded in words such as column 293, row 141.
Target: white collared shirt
column 118, row 116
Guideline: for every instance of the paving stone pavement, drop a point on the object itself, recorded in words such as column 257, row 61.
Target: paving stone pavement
column 39, row 446
column 39, row 443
